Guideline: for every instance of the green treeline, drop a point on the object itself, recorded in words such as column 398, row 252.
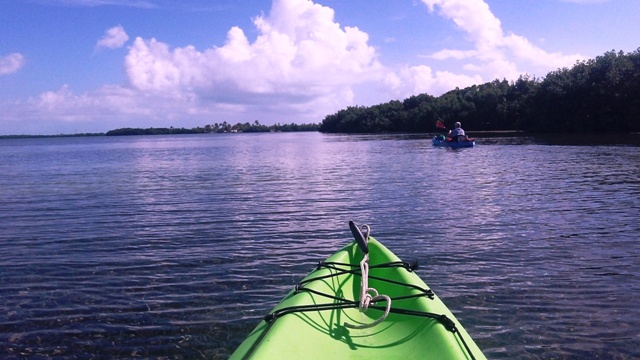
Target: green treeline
column 601, row 94
column 216, row 128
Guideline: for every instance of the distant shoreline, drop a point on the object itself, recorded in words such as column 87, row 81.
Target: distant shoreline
column 50, row 136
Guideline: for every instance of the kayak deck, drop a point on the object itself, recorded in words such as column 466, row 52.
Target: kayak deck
column 310, row 321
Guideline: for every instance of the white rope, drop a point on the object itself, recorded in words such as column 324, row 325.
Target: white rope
column 366, row 297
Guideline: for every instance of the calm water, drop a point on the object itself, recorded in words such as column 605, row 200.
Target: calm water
column 176, row 246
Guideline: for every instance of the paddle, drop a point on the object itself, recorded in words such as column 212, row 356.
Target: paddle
column 440, row 125
column 357, row 234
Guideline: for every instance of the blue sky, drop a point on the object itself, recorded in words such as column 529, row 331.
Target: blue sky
column 70, row 66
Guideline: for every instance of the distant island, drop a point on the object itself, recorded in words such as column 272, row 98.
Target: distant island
column 216, row 128
column 49, row 136
column 223, row 127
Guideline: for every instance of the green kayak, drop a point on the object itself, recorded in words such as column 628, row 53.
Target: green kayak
column 362, row 302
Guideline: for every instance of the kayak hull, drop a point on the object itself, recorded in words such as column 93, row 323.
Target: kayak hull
column 453, row 144
column 317, row 330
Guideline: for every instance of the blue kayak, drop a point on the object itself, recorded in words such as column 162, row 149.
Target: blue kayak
column 439, row 141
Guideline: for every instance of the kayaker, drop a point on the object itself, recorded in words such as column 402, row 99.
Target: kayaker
column 457, row 134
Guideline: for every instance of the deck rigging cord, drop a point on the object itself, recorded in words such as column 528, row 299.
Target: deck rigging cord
column 368, row 295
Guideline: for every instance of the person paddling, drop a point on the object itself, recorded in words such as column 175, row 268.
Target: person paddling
column 457, row 134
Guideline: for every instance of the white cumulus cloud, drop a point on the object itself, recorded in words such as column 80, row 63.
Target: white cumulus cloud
column 301, row 58
column 495, row 54
column 113, row 38
column 11, row 63
column 413, row 80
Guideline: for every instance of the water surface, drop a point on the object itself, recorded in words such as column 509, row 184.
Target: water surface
column 176, row 246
